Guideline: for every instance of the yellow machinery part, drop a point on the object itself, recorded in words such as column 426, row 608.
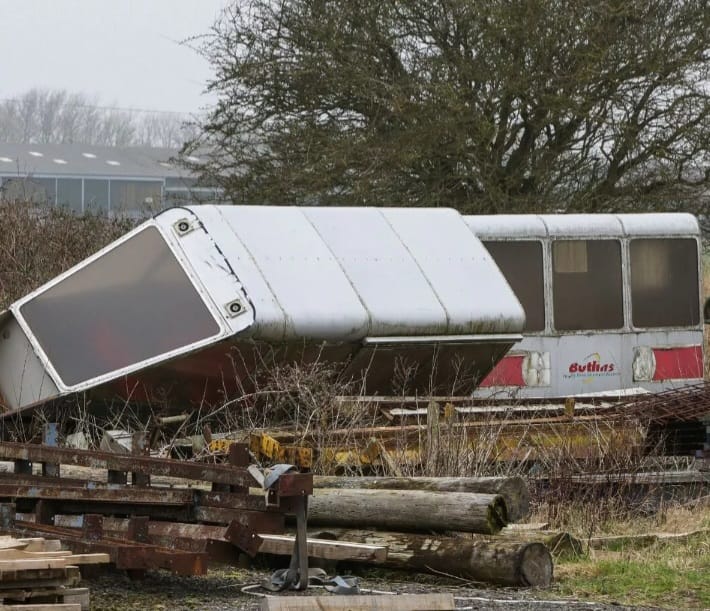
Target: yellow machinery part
column 265, row 446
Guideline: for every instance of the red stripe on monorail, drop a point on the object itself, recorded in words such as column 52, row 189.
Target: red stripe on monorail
column 678, row 363
column 508, row 372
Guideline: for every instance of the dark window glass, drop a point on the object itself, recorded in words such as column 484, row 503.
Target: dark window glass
column 134, row 195
column 586, row 285
column 664, row 283
column 521, row 264
column 132, row 304
column 180, row 183
column 40, row 191
column 69, row 193
column 50, row 188
column 96, row 195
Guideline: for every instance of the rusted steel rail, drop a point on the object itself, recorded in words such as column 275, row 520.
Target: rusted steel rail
column 125, row 554
column 676, row 405
column 228, row 502
column 129, row 463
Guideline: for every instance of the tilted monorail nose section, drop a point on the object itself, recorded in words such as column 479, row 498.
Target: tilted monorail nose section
column 199, row 299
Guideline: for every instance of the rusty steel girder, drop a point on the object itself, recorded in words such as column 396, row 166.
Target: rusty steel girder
column 123, row 553
column 228, row 502
column 166, row 467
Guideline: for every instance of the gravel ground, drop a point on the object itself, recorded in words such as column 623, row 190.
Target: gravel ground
column 221, row 589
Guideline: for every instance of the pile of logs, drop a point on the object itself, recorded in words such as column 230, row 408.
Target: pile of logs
column 447, row 526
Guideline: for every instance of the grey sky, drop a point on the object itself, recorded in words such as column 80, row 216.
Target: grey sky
column 124, row 51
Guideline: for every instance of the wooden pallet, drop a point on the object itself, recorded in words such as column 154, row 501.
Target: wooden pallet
column 37, row 575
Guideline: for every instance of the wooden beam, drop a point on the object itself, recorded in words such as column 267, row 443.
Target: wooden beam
column 399, row 602
column 324, row 548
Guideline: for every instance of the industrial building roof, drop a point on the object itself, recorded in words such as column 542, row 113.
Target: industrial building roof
column 84, row 160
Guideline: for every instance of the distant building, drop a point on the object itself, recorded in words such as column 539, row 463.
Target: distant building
column 132, row 181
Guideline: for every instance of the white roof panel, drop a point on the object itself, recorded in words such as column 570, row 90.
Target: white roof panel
column 660, row 224
column 378, row 272
column 467, row 282
column 512, row 225
column 302, row 274
column 520, row 226
column 350, row 273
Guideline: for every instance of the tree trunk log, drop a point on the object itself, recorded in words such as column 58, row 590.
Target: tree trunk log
column 495, row 560
column 514, row 490
column 409, row 510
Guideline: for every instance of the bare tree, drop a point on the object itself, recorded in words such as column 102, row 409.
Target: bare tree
column 51, row 117
column 486, row 106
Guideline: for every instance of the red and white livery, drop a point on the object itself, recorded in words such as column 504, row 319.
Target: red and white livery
column 612, row 302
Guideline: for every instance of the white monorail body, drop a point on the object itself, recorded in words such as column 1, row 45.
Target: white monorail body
column 407, row 300
column 612, row 301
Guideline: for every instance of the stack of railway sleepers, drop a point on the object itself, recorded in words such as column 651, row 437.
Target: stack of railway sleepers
column 36, row 574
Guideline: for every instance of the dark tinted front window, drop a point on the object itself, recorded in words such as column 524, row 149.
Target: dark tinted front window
column 586, row 285
column 664, row 283
column 130, row 305
column 521, row 264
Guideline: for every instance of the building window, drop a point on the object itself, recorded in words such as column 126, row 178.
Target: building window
column 521, row 264
column 586, row 285
column 135, row 196
column 38, row 191
column 664, row 283
column 69, row 193
column 96, row 196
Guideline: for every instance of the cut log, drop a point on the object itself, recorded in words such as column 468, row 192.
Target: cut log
column 495, row 560
column 408, row 510
column 514, row 490
column 560, row 543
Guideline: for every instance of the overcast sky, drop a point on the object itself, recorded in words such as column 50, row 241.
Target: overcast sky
column 125, row 51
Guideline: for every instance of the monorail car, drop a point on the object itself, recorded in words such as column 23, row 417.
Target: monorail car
column 612, row 302
column 198, row 301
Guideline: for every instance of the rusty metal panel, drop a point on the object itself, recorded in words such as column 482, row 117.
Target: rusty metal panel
column 295, row 484
column 124, row 554
column 223, row 474
column 245, row 528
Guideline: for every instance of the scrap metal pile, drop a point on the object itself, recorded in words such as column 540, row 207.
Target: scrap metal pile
column 148, row 513
column 107, row 510
column 405, row 429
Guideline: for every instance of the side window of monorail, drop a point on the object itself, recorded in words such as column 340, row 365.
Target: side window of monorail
column 586, row 285
column 664, row 282
column 521, row 264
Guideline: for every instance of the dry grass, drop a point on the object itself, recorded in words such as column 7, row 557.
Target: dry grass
column 39, row 243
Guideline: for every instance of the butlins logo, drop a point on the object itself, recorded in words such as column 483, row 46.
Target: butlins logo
column 591, row 366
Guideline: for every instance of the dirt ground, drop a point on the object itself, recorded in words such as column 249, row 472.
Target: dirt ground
column 222, row 589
